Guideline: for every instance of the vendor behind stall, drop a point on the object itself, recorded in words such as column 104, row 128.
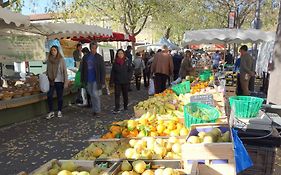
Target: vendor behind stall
column 246, row 72
column 186, row 65
column 77, row 55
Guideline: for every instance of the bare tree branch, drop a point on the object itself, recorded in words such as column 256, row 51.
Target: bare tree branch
column 142, row 26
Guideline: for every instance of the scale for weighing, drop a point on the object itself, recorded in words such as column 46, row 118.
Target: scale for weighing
column 264, row 121
column 258, row 130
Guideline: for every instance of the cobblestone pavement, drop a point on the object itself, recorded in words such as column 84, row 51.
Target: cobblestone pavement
column 27, row 145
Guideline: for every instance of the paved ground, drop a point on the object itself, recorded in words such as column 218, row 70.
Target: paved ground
column 27, row 145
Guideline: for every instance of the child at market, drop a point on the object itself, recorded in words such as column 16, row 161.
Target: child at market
column 57, row 75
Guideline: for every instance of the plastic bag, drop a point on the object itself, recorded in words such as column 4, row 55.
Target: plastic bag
column 44, row 83
column 151, row 89
column 77, row 81
column 242, row 158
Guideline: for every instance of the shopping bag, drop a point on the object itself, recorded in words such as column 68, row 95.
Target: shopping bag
column 151, row 89
column 77, row 81
column 44, row 83
column 242, row 158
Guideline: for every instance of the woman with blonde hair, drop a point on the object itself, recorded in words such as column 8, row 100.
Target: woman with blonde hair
column 57, row 75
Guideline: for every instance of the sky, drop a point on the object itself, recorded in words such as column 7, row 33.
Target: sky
column 37, row 6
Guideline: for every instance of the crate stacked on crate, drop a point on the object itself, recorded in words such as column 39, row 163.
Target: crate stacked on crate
column 258, row 83
column 263, row 160
column 212, row 146
column 231, row 82
column 231, row 79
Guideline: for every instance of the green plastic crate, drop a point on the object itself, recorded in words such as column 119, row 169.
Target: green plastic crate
column 182, row 88
column 245, row 106
column 190, row 109
column 205, row 75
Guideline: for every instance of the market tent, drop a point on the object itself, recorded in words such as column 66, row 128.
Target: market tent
column 156, row 46
column 9, row 19
column 69, row 30
column 116, row 36
column 169, row 43
column 222, row 36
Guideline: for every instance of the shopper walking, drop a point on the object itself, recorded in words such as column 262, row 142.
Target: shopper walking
column 57, row 75
column 148, row 65
column 216, row 59
column 120, row 78
column 130, row 60
column 139, row 67
column 93, row 76
column 145, row 58
column 86, row 98
column 162, row 67
column 177, row 59
column 246, row 72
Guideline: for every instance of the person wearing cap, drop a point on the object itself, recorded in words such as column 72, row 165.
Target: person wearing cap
column 93, row 76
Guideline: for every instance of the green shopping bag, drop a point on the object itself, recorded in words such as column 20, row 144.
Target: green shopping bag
column 77, row 82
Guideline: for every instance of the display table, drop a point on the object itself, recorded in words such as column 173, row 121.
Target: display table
column 11, row 111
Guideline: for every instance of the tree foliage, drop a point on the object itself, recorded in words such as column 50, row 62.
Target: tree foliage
column 131, row 14
column 168, row 18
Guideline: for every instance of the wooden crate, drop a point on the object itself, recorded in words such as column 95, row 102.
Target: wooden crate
column 154, row 164
column 202, row 169
column 125, row 140
column 83, row 165
column 209, row 153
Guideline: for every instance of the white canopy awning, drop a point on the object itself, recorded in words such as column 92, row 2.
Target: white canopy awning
column 222, row 36
column 169, row 43
column 9, row 19
column 64, row 30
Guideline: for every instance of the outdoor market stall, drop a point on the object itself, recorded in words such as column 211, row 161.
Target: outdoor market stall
column 183, row 130
column 18, row 95
column 173, row 127
column 258, row 131
column 162, row 134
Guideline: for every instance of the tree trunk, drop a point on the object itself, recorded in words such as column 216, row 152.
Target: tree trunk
column 134, row 49
column 167, row 32
column 274, row 93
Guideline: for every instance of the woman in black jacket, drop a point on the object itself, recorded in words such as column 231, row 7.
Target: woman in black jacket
column 120, row 78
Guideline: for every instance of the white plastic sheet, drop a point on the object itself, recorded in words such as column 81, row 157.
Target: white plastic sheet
column 265, row 56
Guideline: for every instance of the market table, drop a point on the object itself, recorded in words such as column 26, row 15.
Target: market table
column 11, row 111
